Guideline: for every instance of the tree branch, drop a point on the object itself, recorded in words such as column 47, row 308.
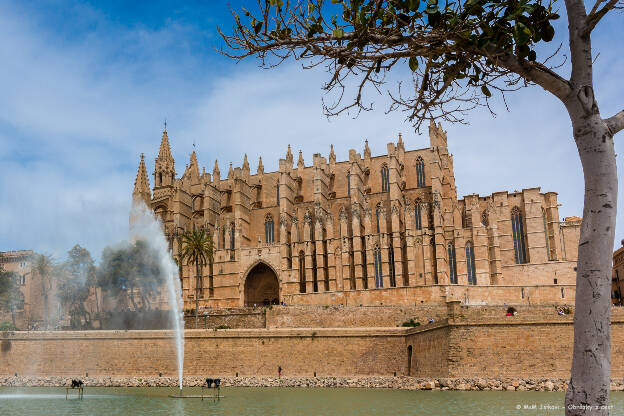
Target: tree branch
column 615, row 123
column 596, row 15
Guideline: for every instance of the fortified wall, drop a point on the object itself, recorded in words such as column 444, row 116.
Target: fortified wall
column 467, row 342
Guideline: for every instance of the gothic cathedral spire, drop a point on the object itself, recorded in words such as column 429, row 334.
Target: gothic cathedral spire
column 141, row 185
column 164, row 168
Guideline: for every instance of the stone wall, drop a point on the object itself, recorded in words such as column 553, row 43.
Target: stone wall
column 474, row 342
column 339, row 352
column 348, row 317
column 235, row 318
column 521, row 349
column 530, row 294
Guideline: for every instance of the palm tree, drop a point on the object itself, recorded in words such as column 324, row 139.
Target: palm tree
column 197, row 249
column 44, row 267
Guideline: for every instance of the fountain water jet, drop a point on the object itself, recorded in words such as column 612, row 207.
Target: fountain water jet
column 143, row 225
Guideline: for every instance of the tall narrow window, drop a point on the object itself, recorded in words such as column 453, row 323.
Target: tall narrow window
column 326, row 266
column 378, row 274
column 364, row 264
column 277, row 192
column 377, row 215
column 302, row 278
column 420, row 172
column 314, row 272
column 470, row 264
column 452, row 263
column 348, row 184
column 385, row 179
column 223, row 239
column 391, row 266
column 232, row 236
column 517, row 228
column 268, row 229
column 418, row 213
column 549, row 254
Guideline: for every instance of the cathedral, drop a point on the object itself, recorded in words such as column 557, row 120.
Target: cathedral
column 372, row 230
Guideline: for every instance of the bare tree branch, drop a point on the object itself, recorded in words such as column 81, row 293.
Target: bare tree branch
column 616, row 123
column 596, row 15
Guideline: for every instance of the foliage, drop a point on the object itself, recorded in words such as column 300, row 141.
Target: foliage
column 76, row 278
column 223, row 327
column 196, row 247
column 410, row 324
column 45, row 267
column 457, row 52
column 7, row 326
column 11, row 297
column 124, row 269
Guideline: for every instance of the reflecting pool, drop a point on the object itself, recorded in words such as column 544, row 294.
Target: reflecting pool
column 284, row 401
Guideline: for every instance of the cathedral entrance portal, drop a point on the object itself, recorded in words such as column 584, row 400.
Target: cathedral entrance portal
column 261, row 286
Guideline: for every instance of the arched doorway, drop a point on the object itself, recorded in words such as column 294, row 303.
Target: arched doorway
column 261, row 286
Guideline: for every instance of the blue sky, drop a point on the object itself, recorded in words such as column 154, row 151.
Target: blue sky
column 86, row 87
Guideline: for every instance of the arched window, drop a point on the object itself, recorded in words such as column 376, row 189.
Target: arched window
column 160, row 179
column 268, row 229
column 517, row 228
column 302, row 278
column 378, row 274
column 485, row 219
column 470, row 264
column 377, row 215
column 452, row 263
column 391, row 266
column 420, row 172
column 223, row 239
column 418, row 213
column 348, row 184
column 385, row 179
column 546, row 236
column 277, row 194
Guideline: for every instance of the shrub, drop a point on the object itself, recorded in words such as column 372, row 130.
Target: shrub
column 223, row 327
column 7, row 326
column 410, row 323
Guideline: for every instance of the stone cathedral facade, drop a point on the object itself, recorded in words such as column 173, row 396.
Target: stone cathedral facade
column 386, row 229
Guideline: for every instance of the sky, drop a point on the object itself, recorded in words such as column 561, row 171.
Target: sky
column 86, row 87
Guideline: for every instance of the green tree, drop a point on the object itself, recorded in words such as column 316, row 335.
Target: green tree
column 197, row 248
column 125, row 269
column 11, row 297
column 44, row 266
column 76, row 279
column 457, row 54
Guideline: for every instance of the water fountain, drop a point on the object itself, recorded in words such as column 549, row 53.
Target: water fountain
column 145, row 226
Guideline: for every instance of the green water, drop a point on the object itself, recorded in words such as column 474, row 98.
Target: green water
column 284, row 401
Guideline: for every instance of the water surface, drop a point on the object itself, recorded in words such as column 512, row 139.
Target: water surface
column 284, row 401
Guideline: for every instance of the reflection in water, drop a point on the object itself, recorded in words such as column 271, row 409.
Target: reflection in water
column 285, row 401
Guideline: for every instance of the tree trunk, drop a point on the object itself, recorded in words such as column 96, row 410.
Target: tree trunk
column 45, row 311
column 196, row 292
column 97, row 306
column 588, row 391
